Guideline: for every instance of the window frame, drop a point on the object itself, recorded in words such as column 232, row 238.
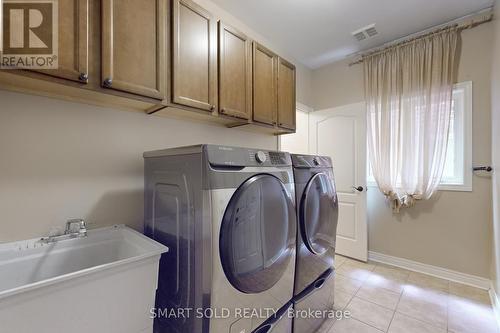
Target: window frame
column 464, row 88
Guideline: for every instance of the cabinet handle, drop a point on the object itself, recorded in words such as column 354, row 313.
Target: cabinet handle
column 212, row 107
column 108, row 82
column 83, row 77
column 222, row 110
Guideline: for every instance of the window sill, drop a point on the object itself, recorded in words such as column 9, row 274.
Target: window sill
column 456, row 188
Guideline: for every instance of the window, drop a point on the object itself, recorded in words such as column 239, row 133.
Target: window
column 457, row 174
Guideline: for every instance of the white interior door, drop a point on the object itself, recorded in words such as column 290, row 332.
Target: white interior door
column 341, row 134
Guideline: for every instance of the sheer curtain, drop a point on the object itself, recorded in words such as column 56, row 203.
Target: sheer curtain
column 409, row 90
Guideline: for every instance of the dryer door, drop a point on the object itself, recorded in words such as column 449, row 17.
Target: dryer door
column 257, row 236
column 318, row 214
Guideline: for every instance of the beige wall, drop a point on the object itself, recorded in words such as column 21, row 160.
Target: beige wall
column 453, row 230
column 337, row 84
column 62, row 160
column 495, row 139
column 297, row 142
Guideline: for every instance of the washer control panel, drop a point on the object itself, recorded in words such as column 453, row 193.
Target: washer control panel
column 278, row 158
column 260, row 156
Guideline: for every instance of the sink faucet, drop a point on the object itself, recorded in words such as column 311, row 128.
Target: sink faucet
column 75, row 228
column 81, row 230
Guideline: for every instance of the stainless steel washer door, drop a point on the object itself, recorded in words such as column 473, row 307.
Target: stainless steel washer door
column 318, row 214
column 257, row 235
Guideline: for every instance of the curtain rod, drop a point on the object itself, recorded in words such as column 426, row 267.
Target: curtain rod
column 486, row 16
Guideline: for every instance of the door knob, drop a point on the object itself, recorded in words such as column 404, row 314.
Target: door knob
column 359, row 188
column 483, row 168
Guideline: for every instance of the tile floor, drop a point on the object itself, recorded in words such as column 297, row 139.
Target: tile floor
column 384, row 298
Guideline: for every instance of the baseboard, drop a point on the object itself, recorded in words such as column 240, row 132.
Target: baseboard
column 443, row 273
column 495, row 302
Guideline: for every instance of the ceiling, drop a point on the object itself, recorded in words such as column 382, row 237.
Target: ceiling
column 318, row 32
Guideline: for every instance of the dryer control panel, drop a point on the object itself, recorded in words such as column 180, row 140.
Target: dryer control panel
column 311, row 161
column 241, row 157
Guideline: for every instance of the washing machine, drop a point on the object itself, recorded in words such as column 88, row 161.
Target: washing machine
column 227, row 215
column 317, row 213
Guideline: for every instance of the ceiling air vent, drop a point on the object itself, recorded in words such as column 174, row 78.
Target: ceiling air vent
column 365, row 32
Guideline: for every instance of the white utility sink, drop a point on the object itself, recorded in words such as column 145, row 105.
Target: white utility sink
column 105, row 282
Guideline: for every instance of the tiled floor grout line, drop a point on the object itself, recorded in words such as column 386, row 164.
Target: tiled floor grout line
column 397, row 304
column 404, row 281
column 417, row 319
column 365, row 281
column 355, row 296
column 360, row 320
column 399, row 300
column 440, row 291
column 367, row 300
column 422, row 321
column 394, row 311
column 448, row 308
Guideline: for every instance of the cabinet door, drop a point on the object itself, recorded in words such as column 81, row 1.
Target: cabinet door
column 235, row 73
column 73, row 34
column 133, row 46
column 194, row 56
column 264, row 85
column 286, row 94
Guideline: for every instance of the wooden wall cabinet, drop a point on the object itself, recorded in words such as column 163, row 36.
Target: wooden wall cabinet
column 235, row 73
column 286, row 95
column 194, row 59
column 167, row 57
column 265, row 90
column 273, row 89
column 73, row 41
column 134, row 46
